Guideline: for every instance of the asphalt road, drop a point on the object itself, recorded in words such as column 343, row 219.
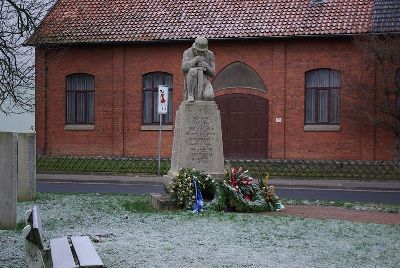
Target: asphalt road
column 389, row 197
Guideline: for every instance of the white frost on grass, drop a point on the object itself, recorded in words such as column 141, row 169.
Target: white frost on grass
column 128, row 238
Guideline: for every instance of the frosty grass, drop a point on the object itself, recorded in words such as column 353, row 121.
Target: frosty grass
column 128, row 233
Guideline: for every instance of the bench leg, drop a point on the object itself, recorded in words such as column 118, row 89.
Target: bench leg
column 34, row 257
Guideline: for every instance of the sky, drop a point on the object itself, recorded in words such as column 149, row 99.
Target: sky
column 21, row 122
column 16, row 122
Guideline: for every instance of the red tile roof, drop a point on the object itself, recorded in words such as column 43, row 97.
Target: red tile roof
column 90, row 21
column 386, row 16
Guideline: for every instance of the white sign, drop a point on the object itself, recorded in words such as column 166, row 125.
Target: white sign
column 162, row 99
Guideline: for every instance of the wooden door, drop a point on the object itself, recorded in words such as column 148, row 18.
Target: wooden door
column 244, row 125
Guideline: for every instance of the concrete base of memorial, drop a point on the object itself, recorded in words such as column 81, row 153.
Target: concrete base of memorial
column 162, row 201
column 197, row 139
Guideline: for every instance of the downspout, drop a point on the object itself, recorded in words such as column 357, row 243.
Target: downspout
column 284, row 108
column 123, row 105
column 375, row 88
column 45, row 56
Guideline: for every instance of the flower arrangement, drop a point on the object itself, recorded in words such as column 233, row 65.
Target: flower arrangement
column 241, row 182
column 268, row 192
column 182, row 190
column 237, row 192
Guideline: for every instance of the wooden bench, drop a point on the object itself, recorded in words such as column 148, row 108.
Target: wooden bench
column 78, row 251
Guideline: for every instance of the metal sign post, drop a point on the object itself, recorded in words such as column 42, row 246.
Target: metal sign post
column 162, row 109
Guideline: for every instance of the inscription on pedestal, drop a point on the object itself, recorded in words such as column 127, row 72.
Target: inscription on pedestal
column 198, row 138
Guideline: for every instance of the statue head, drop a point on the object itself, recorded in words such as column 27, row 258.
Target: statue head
column 200, row 44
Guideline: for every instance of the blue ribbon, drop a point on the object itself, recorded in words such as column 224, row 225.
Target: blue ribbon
column 199, row 198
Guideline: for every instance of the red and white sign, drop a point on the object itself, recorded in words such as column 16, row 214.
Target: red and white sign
column 162, row 99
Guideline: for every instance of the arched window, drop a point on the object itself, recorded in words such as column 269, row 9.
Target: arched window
column 322, row 104
column 80, row 99
column 238, row 74
column 151, row 81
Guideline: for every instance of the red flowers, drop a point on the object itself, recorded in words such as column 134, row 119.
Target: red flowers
column 241, row 182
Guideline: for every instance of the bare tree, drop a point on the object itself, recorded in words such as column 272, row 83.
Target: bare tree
column 379, row 98
column 18, row 19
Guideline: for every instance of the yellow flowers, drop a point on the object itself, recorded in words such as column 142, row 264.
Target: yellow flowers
column 265, row 181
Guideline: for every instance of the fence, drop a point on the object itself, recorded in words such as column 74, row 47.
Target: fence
column 258, row 168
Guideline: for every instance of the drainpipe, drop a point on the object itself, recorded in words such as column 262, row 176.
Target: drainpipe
column 284, row 108
column 45, row 56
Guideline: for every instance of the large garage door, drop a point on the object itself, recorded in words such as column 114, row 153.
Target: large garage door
column 244, row 125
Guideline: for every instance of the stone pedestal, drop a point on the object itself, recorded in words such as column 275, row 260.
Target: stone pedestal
column 26, row 166
column 161, row 202
column 8, row 180
column 197, row 139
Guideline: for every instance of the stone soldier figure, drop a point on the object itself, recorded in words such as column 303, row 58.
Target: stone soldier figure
column 197, row 65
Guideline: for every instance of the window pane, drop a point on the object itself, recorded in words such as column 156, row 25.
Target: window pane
column 90, row 83
column 70, row 84
column 398, row 100
column 80, row 108
column 90, row 107
column 158, row 79
column 147, row 81
column 155, row 108
column 317, row 78
column 311, row 78
column 168, row 81
column 334, row 78
column 170, row 112
column 70, row 107
column 80, row 82
column 147, row 107
column 310, row 106
column 335, row 106
column 323, row 106
column 398, row 90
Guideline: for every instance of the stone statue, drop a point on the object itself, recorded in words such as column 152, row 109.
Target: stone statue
column 197, row 65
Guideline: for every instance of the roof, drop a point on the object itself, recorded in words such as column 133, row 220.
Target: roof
column 98, row 21
column 386, row 17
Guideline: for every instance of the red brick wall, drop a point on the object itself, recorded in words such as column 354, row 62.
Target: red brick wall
column 118, row 99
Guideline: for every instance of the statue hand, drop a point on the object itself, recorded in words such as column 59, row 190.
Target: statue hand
column 202, row 64
column 198, row 59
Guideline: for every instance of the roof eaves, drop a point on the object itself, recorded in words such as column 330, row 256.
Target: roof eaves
column 278, row 37
column 27, row 42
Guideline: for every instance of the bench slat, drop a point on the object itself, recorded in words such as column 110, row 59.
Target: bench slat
column 86, row 252
column 61, row 254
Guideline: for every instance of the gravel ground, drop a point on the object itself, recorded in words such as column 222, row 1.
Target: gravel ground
column 128, row 233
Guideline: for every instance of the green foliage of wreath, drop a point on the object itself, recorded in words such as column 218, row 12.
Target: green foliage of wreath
column 237, row 192
column 181, row 188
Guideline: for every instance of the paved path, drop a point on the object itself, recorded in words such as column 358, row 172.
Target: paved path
column 329, row 212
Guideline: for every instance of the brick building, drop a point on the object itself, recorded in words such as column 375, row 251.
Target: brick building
column 282, row 75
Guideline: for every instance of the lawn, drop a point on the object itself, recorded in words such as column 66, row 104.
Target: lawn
column 128, row 233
